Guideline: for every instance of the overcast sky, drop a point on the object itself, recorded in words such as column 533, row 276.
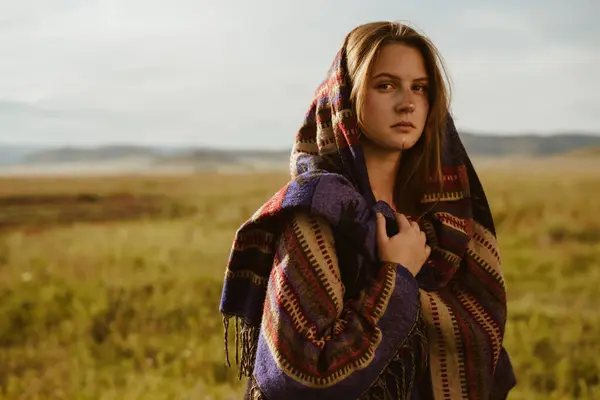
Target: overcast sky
column 242, row 73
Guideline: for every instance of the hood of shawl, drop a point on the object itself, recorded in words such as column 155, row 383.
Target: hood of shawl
column 329, row 138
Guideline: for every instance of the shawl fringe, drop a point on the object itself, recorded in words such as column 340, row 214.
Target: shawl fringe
column 380, row 390
column 248, row 335
column 408, row 355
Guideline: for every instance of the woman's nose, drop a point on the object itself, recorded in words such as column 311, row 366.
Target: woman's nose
column 405, row 102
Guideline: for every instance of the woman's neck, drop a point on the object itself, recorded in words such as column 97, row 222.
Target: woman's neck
column 382, row 168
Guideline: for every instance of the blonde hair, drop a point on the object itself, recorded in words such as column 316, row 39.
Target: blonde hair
column 423, row 161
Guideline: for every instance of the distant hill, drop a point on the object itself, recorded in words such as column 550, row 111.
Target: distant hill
column 526, row 145
column 14, row 154
column 226, row 156
column 104, row 153
column 208, row 158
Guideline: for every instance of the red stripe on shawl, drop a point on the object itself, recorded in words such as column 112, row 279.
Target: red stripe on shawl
column 337, row 79
column 323, row 116
column 487, row 338
column 467, row 338
column 303, row 263
column 488, row 281
column 279, row 345
column 273, row 205
column 454, row 179
column 306, row 134
column 352, row 139
column 372, row 300
column 442, row 266
column 283, row 305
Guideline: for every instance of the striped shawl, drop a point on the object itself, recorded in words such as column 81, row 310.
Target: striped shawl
column 318, row 316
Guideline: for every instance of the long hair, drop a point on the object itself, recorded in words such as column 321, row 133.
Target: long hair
column 422, row 163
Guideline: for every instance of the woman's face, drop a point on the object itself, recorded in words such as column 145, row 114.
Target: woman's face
column 396, row 102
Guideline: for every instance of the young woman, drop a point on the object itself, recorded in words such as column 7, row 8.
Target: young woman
column 374, row 273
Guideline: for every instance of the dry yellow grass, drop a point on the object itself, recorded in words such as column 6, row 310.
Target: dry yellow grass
column 128, row 309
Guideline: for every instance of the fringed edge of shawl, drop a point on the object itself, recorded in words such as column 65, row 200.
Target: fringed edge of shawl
column 246, row 335
column 379, row 390
column 253, row 391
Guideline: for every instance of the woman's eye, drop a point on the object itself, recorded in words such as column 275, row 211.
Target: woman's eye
column 385, row 86
column 420, row 88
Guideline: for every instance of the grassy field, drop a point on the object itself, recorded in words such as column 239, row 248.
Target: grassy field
column 109, row 287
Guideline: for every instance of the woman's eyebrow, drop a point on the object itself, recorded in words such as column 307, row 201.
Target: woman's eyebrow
column 396, row 77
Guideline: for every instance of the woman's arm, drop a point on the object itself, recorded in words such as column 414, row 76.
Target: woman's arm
column 312, row 343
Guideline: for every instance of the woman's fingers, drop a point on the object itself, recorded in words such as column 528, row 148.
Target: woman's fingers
column 415, row 226
column 403, row 223
column 381, row 230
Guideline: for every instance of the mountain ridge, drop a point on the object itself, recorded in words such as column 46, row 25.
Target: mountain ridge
column 476, row 144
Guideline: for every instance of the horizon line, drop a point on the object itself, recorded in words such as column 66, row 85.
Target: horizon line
column 190, row 144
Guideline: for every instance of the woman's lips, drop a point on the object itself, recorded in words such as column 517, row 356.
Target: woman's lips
column 403, row 126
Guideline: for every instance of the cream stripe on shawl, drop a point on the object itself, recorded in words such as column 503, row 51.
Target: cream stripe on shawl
column 318, row 240
column 485, row 245
column 446, row 366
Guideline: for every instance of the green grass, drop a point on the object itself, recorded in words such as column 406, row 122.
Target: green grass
column 128, row 309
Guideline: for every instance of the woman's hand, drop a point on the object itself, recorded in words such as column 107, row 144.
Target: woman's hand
column 407, row 248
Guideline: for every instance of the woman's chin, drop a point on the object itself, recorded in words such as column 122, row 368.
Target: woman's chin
column 396, row 143
column 397, row 146
column 403, row 143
